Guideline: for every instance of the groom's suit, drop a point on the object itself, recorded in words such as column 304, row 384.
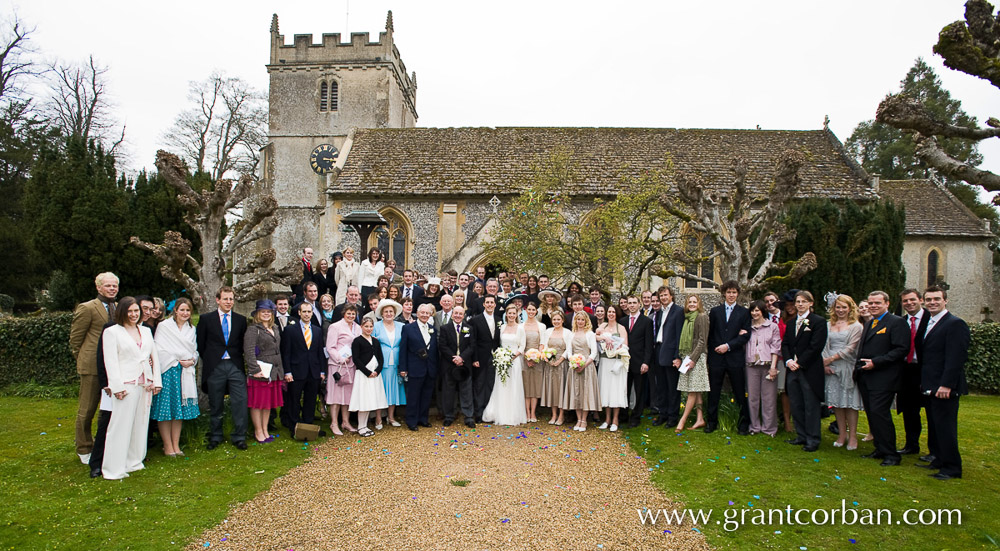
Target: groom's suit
column 485, row 342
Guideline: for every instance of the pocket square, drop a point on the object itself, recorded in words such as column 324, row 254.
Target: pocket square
column 882, row 331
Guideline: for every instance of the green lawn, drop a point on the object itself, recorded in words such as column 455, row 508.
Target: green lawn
column 50, row 502
column 724, row 471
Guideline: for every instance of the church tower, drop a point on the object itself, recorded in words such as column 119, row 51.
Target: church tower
column 318, row 94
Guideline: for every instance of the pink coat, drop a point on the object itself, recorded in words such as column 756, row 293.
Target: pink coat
column 339, row 338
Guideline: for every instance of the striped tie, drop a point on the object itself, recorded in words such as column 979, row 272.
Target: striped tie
column 308, row 335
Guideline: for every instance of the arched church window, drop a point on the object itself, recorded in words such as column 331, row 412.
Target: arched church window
column 328, row 95
column 393, row 239
column 933, row 259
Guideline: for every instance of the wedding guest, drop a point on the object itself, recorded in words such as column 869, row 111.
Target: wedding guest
column 580, row 392
column 506, row 403
column 623, row 304
column 692, row 348
column 444, row 315
column 418, row 359
column 573, row 289
column 839, row 356
column 409, row 288
column 331, row 275
column 802, row 350
column 262, row 350
column 532, row 288
column 554, row 369
column 775, row 314
column 389, row 332
column 550, row 299
column 373, row 300
column 479, row 289
column 459, row 297
column 323, row 277
column 762, row 353
column 340, row 368
column 220, row 345
column 353, row 298
column 393, row 293
column 133, row 368
column 177, row 348
column 640, row 345
column 368, row 391
column 406, row 315
column 729, row 330
column 457, row 354
column 532, row 374
column 369, row 271
column 159, row 309
column 431, row 295
column 325, row 311
column 506, row 289
column 281, row 311
column 346, row 275
column 864, row 316
column 600, row 312
column 612, row 373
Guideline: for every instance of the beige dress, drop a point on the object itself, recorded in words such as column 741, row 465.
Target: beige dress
column 554, row 376
column 532, row 376
column 581, row 390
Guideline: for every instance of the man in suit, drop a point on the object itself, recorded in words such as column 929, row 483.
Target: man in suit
column 418, row 363
column 944, row 349
column 646, row 297
column 104, row 415
column 302, row 357
column 353, row 297
column 307, row 256
column 879, row 370
column 281, row 317
column 89, row 319
column 667, row 325
column 575, row 303
column 220, row 345
column 595, row 298
column 728, row 333
column 486, row 339
column 456, row 347
column 640, row 345
column 473, row 302
column 802, row 350
column 444, row 316
column 481, row 276
column 410, row 290
column 311, row 297
column 910, row 400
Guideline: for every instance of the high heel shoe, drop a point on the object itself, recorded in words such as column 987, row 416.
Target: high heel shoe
column 336, row 430
column 837, row 444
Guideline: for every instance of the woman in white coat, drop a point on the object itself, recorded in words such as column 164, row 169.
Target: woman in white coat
column 133, row 368
column 345, row 274
column 369, row 271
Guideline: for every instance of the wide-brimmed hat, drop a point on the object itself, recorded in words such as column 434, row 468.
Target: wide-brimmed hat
column 549, row 291
column 385, row 303
column 510, row 299
column 264, row 304
column 433, row 281
column 788, row 297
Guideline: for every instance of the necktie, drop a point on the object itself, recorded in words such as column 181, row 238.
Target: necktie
column 729, row 310
column 225, row 327
column 656, row 325
column 913, row 337
column 406, row 292
column 774, row 318
column 798, row 325
column 874, row 323
column 631, row 323
column 107, row 306
column 308, row 335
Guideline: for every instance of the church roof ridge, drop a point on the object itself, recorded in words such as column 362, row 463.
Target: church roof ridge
column 933, row 210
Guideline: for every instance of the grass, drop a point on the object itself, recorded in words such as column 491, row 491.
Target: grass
column 51, row 503
column 722, row 471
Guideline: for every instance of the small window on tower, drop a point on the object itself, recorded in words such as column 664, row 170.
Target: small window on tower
column 323, row 96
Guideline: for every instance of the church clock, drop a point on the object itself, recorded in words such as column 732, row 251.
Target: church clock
column 323, row 158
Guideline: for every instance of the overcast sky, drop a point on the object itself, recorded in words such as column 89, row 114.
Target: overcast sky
column 780, row 65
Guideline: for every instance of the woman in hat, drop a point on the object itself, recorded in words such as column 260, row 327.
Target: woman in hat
column 345, row 275
column 549, row 298
column 388, row 333
column 368, row 392
column 532, row 374
column 554, row 369
column 178, row 350
column 262, row 347
column 432, row 294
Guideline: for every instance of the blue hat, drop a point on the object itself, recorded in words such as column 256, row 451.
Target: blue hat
column 264, row 304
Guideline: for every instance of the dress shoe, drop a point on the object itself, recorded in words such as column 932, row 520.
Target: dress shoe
column 908, row 451
column 322, row 432
column 95, row 472
column 872, row 455
column 470, row 423
column 447, row 422
column 834, row 428
column 424, row 424
column 928, row 458
column 412, row 427
column 213, row 444
column 743, row 432
column 709, row 428
column 943, row 476
column 658, row 421
column 796, row 441
column 810, row 448
column 241, row 445
column 890, row 462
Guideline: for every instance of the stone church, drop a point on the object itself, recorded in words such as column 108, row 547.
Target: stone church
column 343, row 139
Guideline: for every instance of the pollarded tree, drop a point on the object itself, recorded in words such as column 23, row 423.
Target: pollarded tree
column 206, row 212
column 972, row 47
column 744, row 231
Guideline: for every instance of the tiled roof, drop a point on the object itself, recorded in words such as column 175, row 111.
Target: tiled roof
column 487, row 161
column 932, row 210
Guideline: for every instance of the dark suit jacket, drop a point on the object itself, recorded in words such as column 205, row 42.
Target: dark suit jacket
column 483, row 342
column 670, row 331
column 362, row 351
column 943, row 353
column 418, row 293
column 806, row 347
column 299, row 360
column 449, row 342
column 887, row 346
column 722, row 332
column 306, row 278
column 640, row 342
column 411, row 360
column 317, row 317
column 212, row 345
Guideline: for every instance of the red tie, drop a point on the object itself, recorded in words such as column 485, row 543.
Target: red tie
column 631, row 323
column 913, row 338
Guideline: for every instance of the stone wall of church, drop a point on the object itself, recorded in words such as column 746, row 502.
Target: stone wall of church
column 422, row 217
column 967, row 267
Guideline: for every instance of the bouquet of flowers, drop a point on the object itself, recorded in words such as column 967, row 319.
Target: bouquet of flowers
column 502, row 360
column 549, row 353
column 533, row 355
column 577, row 362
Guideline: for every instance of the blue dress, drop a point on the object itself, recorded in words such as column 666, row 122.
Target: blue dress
column 395, row 392
column 168, row 404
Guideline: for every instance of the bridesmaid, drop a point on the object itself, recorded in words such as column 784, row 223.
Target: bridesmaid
column 612, row 374
column 262, row 343
column 340, row 369
column 345, row 275
column 693, row 343
column 368, row 392
column 388, row 333
column 178, row 401
column 581, row 393
column 532, row 374
column 839, row 355
column 554, row 370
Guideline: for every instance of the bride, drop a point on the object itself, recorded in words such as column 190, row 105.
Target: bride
column 506, row 405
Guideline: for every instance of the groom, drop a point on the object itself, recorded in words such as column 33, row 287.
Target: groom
column 486, row 339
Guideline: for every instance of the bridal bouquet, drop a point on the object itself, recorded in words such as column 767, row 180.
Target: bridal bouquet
column 502, row 360
column 577, row 362
column 533, row 355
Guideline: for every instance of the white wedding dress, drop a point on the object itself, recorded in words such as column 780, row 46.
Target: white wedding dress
column 506, row 405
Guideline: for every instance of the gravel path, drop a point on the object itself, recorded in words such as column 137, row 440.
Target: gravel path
column 529, row 487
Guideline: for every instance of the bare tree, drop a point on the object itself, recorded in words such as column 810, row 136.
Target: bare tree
column 972, row 47
column 206, row 213
column 740, row 228
column 15, row 60
column 224, row 130
column 79, row 104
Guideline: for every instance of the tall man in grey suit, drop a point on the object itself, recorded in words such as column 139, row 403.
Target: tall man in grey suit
column 667, row 324
column 802, row 351
column 220, row 345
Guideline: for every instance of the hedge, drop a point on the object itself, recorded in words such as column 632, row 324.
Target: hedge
column 37, row 348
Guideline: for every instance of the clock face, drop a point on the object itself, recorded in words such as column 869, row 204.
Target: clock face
column 323, row 158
